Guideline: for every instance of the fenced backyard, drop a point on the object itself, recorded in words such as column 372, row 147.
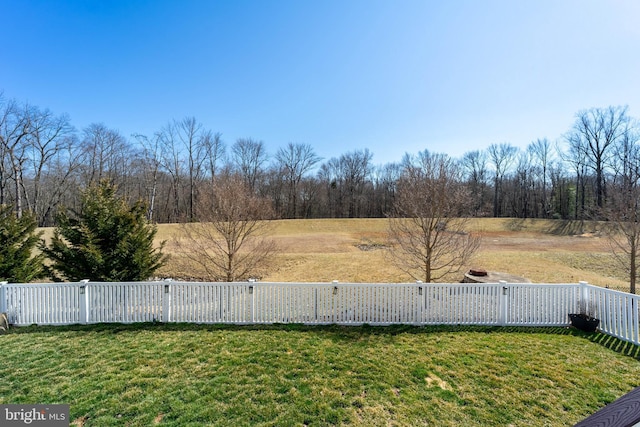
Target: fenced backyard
column 497, row 304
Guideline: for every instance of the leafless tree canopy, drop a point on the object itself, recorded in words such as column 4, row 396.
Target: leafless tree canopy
column 228, row 241
column 249, row 157
column 293, row 163
column 502, row 157
column 623, row 208
column 474, row 165
column 427, row 227
column 593, row 138
column 46, row 163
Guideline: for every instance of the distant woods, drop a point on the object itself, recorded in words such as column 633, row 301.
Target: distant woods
column 46, row 163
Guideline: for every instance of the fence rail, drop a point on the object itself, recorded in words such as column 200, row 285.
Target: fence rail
column 505, row 304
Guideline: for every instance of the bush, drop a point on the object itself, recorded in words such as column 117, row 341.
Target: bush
column 106, row 241
column 17, row 242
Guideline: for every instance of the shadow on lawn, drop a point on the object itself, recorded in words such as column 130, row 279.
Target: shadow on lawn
column 343, row 331
column 615, row 344
column 557, row 227
column 340, row 332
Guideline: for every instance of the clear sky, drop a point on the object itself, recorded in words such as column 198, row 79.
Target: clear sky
column 393, row 76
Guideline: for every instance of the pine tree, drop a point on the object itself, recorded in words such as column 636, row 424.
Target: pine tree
column 107, row 241
column 18, row 239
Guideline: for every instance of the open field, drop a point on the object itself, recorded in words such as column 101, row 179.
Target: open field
column 352, row 250
column 190, row 375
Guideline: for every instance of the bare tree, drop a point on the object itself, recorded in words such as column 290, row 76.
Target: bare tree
column 427, row 228
column 15, row 125
column 561, row 198
column 356, row 168
column 542, row 156
column 60, row 181
column 385, row 179
column 348, row 184
column 623, row 231
column 330, row 177
column 577, row 158
column 623, row 208
column 50, row 136
column 474, row 164
column 107, row 155
column 273, row 186
column 309, row 197
column 190, row 133
column 625, row 158
column 295, row 161
column 171, row 155
column 502, row 157
column 595, row 132
column 249, row 157
column 150, row 162
column 229, row 242
column 214, row 151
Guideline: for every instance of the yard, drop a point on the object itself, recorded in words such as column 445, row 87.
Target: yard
column 178, row 375
column 181, row 375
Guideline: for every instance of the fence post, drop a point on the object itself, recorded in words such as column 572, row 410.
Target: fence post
column 3, row 297
column 252, row 295
column 166, row 301
column 334, row 306
column 420, row 319
column 84, row 301
column 583, row 303
column 504, row 303
column 635, row 321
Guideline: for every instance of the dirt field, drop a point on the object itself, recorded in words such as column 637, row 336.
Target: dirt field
column 352, row 250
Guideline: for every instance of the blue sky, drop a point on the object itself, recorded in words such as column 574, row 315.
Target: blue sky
column 391, row 76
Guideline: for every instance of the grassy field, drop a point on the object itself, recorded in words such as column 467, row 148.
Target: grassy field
column 352, row 250
column 189, row 375
column 194, row 375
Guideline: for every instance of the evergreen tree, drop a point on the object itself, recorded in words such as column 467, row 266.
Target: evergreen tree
column 106, row 241
column 17, row 241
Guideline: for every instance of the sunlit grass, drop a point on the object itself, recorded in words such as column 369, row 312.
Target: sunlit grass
column 178, row 375
column 321, row 250
column 353, row 250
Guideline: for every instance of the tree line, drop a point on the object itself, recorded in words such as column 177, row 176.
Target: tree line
column 46, row 163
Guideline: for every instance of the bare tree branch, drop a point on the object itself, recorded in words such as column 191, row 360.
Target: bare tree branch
column 228, row 243
column 427, row 228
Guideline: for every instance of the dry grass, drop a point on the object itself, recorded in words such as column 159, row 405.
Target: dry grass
column 352, row 250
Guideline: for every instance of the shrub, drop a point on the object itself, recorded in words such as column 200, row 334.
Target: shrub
column 106, row 241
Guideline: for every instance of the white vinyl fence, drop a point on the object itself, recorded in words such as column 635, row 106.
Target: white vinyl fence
column 502, row 304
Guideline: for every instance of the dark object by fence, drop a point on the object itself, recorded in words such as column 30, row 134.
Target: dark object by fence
column 480, row 275
column 478, row 272
column 584, row 322
column 624, row 412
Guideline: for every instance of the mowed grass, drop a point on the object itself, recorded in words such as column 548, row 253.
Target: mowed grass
column 191, row 375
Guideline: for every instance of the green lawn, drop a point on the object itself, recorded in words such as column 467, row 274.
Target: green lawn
column 179, row 375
